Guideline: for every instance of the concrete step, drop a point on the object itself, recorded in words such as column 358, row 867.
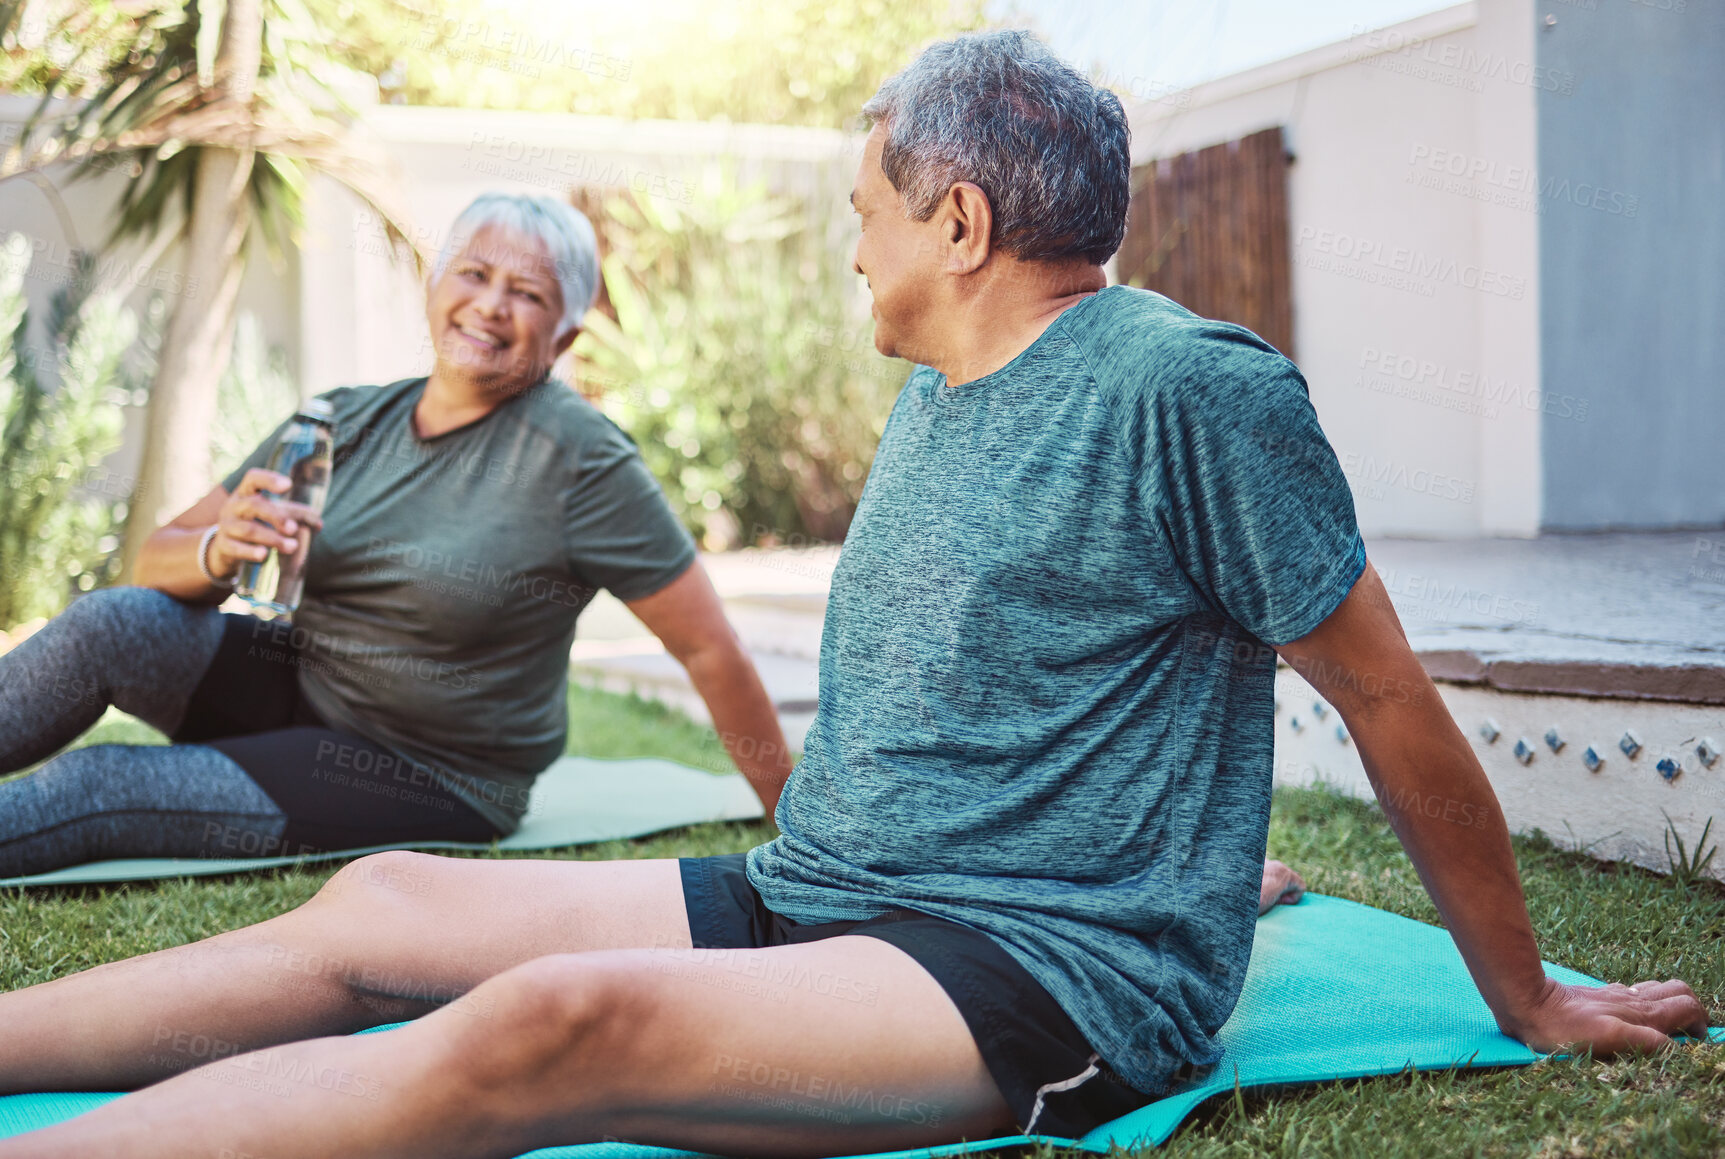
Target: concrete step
column 1638, row 615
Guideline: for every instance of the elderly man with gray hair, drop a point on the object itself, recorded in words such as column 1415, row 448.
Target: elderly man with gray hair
column 1014, row 886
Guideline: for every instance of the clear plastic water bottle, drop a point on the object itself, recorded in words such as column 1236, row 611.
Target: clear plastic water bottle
column 273, row 585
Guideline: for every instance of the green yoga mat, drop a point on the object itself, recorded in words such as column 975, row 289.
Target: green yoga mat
column 1335, row 990
column 576, row 801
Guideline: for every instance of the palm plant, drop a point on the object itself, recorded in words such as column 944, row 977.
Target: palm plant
column 220, row 109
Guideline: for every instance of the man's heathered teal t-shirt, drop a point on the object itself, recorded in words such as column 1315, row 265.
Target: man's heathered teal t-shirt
column 1045, row 679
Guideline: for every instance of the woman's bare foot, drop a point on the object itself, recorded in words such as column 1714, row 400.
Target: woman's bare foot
column 1282, row 886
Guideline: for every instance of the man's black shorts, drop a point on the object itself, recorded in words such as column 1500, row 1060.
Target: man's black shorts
column 1052, row 1080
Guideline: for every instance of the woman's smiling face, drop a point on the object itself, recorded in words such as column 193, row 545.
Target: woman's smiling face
column 495, row 310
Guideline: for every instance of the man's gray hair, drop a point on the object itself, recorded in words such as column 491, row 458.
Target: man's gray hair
column 998, row 109
column 565, row 232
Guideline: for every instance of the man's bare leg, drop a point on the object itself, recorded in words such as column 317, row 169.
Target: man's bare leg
column 844, row 1045
column 390, row 937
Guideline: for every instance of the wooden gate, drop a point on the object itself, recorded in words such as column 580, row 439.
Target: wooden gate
column 1210, row 230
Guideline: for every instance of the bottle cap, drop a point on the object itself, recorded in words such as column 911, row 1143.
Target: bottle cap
column 318, row 410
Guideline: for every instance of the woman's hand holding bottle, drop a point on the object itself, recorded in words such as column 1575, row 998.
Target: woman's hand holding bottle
column 256, row 519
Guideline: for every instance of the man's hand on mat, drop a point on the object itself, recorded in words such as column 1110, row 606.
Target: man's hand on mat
column 1611, row 1019
column 1281, row 886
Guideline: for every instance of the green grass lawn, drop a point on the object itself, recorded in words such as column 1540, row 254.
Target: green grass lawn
column 1617, row 923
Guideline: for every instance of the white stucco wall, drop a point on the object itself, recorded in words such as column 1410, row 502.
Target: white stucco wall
column 363, row 311
column 1415, row 296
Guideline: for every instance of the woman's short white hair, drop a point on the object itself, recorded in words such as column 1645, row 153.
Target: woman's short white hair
column 565, row 232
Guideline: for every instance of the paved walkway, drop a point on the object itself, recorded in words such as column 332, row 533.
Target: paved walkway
column 1635, row 615
column 775, row 599
column 1638, row 615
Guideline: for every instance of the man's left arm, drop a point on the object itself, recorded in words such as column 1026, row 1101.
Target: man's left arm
column 1442, row 808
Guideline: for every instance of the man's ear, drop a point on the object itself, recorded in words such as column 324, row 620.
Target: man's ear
column 967, row 228
column 564, row 341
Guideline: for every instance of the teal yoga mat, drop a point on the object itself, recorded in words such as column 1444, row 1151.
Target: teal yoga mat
column 1334, row 990
column 576, row 801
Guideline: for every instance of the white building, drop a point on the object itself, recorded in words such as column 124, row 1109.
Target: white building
column 1507, row 258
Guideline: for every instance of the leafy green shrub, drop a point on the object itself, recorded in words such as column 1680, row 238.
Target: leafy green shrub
column 61, row 414
column 257, row 392
column 735, row 362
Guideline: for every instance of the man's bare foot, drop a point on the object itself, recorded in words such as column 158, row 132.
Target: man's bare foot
column 1282, row 886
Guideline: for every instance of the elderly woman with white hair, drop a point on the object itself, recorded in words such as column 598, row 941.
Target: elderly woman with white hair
column 420, row 686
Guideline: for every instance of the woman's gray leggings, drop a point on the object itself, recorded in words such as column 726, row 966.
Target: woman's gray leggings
column 143, row 652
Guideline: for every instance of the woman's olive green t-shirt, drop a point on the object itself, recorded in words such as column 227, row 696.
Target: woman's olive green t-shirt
column 441, row 594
